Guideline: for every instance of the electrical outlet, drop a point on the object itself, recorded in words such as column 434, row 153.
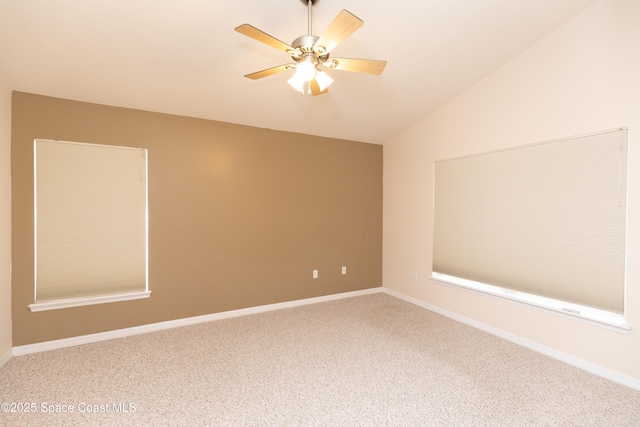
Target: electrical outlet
column 414, row 275
column 344, row 269
column 315, row 274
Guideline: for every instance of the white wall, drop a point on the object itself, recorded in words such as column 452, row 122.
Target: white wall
column 583, row 78
column 5, row 221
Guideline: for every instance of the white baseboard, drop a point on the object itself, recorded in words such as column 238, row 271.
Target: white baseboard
column 548, row 351
column 5, row 358
column 136, row 330
column 104, row 336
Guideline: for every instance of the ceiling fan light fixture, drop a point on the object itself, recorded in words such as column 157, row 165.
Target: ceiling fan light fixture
column 297, row 83
column 323, row 79
column 306, row 70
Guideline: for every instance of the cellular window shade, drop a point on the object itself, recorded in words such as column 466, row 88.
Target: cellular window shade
column 546, row 219
column 90, row 223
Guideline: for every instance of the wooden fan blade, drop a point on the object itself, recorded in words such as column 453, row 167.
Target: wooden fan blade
column 269, row 71
column 369, row 66
column 315, row 88
column 261, row 36
column 340, row 28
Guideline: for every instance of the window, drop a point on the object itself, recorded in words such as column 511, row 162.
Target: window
column 543, row 224
column 90, row 224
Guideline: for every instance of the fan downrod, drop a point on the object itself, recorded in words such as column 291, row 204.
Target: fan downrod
column 313, row 2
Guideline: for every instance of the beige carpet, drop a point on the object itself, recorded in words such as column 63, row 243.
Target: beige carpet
column 365, row 361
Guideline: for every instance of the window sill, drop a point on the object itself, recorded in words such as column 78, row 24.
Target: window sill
column 601, row 318
column 78, row 302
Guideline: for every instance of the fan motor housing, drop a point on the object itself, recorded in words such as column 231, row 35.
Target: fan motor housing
column 305, row 50
column 305, row 43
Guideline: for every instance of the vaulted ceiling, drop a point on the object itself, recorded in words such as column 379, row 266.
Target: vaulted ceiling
column 184, row 57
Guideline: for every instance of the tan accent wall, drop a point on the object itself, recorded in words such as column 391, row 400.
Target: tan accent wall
column 238, row 216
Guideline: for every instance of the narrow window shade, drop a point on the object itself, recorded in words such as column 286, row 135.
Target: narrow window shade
column 91, row 215
column 546, row 219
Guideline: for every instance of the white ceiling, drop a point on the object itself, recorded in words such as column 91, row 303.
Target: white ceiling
column 183, row 56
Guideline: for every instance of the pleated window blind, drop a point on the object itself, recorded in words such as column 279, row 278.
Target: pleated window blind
column 90, row 220
column 547, row 219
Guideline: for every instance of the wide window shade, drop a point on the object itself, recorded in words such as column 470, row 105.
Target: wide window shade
column 547, row 219
column 90, row 220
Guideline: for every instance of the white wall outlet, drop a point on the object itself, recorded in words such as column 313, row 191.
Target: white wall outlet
column 344, row 269
column 414, row 275
column 315, row 274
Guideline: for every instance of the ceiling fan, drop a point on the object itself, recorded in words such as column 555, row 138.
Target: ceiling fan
column 310, row 53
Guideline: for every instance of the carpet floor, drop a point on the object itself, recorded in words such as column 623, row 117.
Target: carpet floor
column 371, row 360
